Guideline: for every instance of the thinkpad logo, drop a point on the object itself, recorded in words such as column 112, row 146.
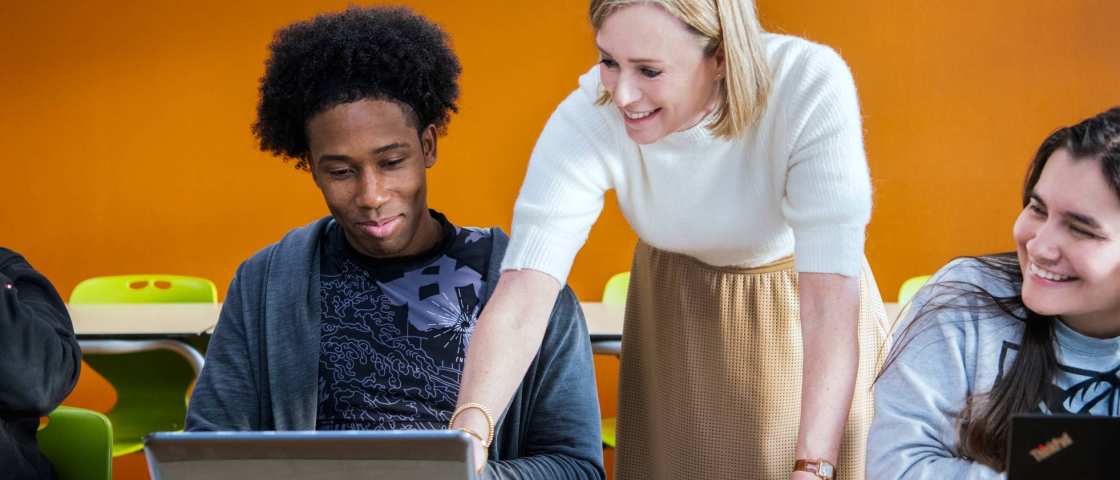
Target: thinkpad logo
column 1048, row 449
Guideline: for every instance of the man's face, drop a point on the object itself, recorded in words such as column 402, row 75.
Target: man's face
column 371, row 165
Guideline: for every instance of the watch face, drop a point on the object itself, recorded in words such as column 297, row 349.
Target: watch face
column 825, row 470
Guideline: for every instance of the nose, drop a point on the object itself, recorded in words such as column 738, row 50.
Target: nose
column 373, row 191
column 626, row 91
column 1045, row 246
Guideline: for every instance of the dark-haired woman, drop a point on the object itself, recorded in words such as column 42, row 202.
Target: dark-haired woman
column 1037, row 330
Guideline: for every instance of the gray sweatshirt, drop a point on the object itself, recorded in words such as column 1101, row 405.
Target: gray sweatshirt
column 953, row 354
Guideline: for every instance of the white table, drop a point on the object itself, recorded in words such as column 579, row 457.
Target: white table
column 187, row 319
column 121, row 328
column 144, row 320
column 163, row 320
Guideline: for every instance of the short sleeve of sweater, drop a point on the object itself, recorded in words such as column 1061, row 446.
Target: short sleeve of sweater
column 562, row 194
column 828, row 187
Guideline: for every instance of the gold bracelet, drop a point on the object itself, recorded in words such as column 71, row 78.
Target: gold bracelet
column 471, row 433
column 485, row 413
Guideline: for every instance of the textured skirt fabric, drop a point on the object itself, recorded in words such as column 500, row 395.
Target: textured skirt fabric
column 711, row 371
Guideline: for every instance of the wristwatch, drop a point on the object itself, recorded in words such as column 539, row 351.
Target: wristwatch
column 821, row 468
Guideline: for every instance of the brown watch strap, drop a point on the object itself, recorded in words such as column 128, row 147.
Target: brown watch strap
column 820, row 468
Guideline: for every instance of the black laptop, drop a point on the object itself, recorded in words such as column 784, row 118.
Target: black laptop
column 1064, row 446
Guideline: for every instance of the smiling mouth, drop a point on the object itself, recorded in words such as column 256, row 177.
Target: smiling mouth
column 633, row 117
column 380, row 228
column 1048, row 275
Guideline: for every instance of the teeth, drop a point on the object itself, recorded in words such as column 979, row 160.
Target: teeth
column 1048, row 275
column 637, row 116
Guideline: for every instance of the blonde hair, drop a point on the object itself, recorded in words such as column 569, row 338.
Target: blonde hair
column 729, row 27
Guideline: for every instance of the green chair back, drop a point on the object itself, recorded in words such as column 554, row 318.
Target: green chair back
column 79, row 443
column 152, row 385
column 608, row 432
column 911, row 287
column 614, row 292
column 144, row 289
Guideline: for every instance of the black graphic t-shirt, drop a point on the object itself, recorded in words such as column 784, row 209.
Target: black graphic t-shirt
column 1087, row 389
column 395, row 331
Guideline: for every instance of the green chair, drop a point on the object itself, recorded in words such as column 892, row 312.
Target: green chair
column 910, row 287
column 614, row 293
column 144, row 289
column 608, row 426
column 79, row 443
column 906, row 293
column 152, row 378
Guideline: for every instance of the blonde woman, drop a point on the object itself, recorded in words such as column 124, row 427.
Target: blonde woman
column 753, row 324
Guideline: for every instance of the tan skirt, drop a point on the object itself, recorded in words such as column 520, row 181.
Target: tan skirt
column 711, row 371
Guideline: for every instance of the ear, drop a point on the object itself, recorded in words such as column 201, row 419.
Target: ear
column 428, row 145
column 721, row 64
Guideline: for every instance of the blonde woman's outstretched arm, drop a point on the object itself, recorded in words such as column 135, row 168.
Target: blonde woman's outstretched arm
column 503, row 344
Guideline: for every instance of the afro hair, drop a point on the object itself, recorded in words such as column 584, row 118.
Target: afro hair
column 379, row 53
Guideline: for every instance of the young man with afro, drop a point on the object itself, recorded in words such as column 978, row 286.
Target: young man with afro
column 361, row 320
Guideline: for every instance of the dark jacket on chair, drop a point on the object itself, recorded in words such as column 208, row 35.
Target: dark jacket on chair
column 262, row 367
column 39, row 363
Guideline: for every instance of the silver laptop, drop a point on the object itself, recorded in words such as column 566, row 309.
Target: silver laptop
column 404, row 455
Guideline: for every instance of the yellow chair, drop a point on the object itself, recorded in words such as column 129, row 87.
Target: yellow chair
column 152, row 377
column 614, row 293
column 910, row 287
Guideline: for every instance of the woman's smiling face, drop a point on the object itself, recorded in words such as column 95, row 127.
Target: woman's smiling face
column 656, row 71
column 1068, row 242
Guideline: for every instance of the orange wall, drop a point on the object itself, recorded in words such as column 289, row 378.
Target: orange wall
column 126, row 148
column 956, row 97
column 125, row 144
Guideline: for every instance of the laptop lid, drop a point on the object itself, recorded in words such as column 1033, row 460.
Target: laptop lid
column 1064, row 446
column 311, row 455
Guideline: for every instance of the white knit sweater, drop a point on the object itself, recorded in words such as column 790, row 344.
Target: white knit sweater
column 795, row 183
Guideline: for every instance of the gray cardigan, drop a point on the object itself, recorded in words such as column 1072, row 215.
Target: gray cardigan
column 262, row 364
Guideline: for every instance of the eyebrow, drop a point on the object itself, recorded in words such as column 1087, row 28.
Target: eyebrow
column 391, row 146
column 631, row 60
column 1084, row 219
column 1077, row 217
column 376, row 151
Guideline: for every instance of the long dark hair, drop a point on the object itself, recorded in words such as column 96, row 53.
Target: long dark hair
column 985, row 419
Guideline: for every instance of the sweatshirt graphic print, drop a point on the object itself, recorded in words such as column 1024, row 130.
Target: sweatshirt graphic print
column 395, row 331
